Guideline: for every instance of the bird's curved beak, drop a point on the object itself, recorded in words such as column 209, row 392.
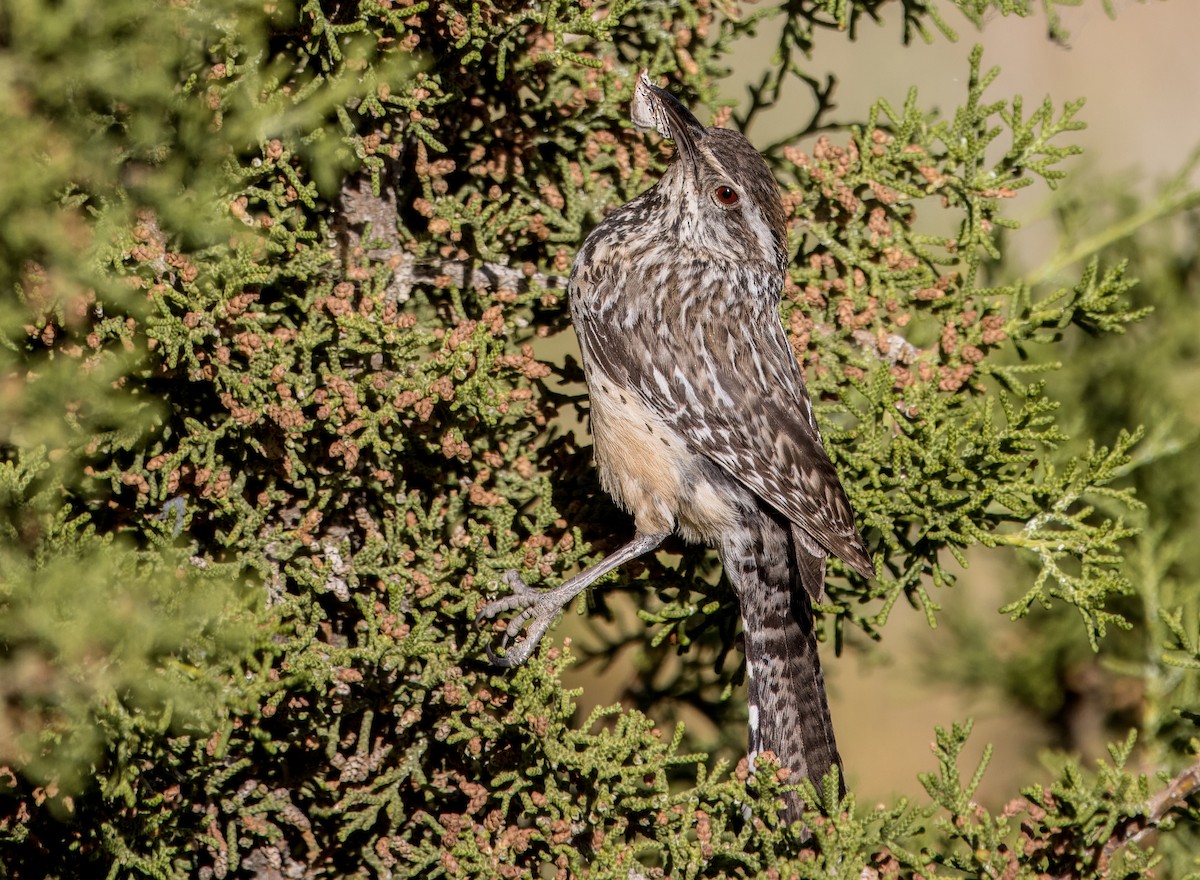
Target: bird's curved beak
column 655, row 107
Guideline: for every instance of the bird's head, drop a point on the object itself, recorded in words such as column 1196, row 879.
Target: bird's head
column 719, row 192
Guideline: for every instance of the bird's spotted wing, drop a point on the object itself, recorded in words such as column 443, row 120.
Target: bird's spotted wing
column 722, row 374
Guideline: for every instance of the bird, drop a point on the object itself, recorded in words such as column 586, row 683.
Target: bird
column 702, row 424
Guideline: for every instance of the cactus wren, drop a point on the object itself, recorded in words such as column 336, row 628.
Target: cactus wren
column 702, row 422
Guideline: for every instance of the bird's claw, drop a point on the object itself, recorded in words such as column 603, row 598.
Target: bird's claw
column 531, row 605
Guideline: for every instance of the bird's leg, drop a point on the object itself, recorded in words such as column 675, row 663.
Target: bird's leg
column 539, row 608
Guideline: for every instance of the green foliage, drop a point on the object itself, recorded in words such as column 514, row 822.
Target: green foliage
column 1083, row 825
column 280, row 286
column 1146, row 375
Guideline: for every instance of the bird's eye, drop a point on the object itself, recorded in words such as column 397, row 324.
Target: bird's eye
column 726, row 195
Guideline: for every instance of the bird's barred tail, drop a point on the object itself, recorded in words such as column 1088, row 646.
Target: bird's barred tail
column 774, row 575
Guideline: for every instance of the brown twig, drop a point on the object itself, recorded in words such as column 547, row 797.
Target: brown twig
column 1176, row 793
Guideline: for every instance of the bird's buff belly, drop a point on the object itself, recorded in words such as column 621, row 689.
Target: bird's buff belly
column 648, row 469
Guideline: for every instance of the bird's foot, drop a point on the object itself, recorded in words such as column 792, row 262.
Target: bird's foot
column 536, row 608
